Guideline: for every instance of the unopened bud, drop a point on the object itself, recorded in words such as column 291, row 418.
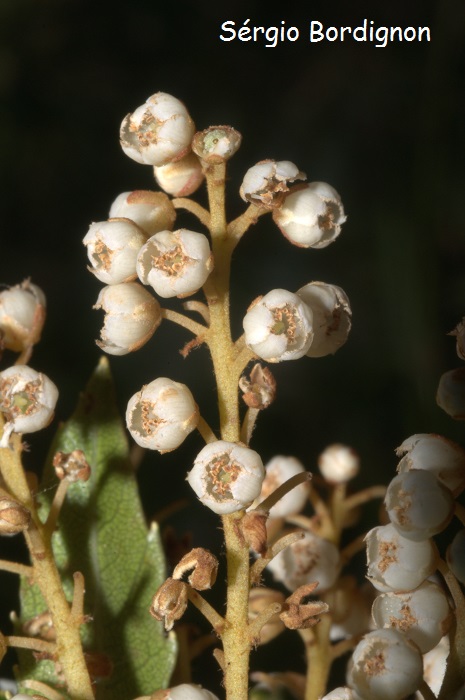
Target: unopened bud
column 204, row 567
column 332, row 317
column 71, row 466
column 338, row 463
column 169, row 602
column 180, row 179
column 185, row 691
column 14, row 517
column 152, row 211
column 22, row 316
column 259, row 388
column 216, row 144
column 451, row 393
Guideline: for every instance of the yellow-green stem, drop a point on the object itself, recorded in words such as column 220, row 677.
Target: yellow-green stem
column 319, row 657
column 68, row 642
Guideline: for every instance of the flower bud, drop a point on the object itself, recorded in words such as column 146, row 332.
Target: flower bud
column 22, row 316
column 423, row 614
column 151, row 211
column 278, row 326
column 332, row 317
column 451, row 393
column 14, row 517
column 175, row 263
column 418, row 505
column 259, row 599
column 310, row 559
column 266, row 182
column 132, row 316
column 459, row 332
column 72, row 466
column 396, row 563
column 204, row 567
column 182, row 178
column 341, row 693
column 436, row 454
column 226, row 477
column 169, row 603
column 278, row 470
column 41, row 626
column 161, row 415
column 386, row 666
column 216, row 144
column 259, row 389
column 27, row 398
column 311, row 216
column 112, row 248
column 338, row 463
column 350, row 608
column 158, row 132
column 185, row 691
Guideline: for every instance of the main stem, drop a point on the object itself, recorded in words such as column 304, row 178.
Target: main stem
column 228, row 368
column 69, row 651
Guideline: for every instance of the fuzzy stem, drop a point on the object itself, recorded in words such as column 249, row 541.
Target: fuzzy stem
column 31, row 643
column 68, row 642
column 368, row 494
column 239, row 226
column 319, row 658
column 198, row 329
column 14, row 568
column 194, row 208
column 205, row 431
column 248, row 424
column 214, row 618
column 282, row 490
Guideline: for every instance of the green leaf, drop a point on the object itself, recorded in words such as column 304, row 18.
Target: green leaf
column 102, row 533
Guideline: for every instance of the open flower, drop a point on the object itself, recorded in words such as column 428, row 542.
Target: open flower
column 112, row 248
column 27, row 399
column 175, row 263
column 226, row 477
column 266, row 182
column 311, row 216
column 161, row 415
column 22, row 316
column 331, row 317
column 158, row 132
column 278, row 326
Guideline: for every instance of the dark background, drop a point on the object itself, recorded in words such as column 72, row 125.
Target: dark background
column 384, row 126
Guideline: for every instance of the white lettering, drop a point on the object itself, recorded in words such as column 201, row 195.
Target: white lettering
column 226, row 28
column 316, row 31
column 244, row 32
column 412, row 33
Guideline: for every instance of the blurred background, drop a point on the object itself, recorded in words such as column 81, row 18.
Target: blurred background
column 384, row 126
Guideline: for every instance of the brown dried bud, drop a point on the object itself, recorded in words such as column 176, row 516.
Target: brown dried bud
column 297, row 615
column 216, row 144
column 259, row 600
column 71, row 466
column 169, row 602
column 99, row 665
column 204, row 565
column 40, row 626
column 253, row 526
column 14, row 517
column 259, row 389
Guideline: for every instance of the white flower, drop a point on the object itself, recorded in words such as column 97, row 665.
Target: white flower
column 226, row 477
column 332, row 317
column 310, row 559
column 341, row 693
column 27, row 398
column 175, row 263
column 132, row 315
column 434, row 667
column 396, row 563
column 418, row 505
column 278, row 326
column 112, row 248
column 182, row 178
column 278, row 470
column 311, row 216
column 436, row 454
column 338, row 463
column 266, row 182
column 423, row 614
column 386, row 666
column 151, row 211
column 158, row 132
column 22, row 316
column 161, row 415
